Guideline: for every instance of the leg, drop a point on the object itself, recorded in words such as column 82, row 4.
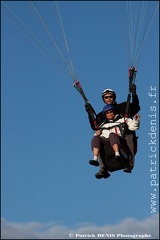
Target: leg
column 103, row 173
column 100, row 162
column 115, row 147
column 131, row 142
column 95, row 145
column 125, row 152
column 96, row 152
column 114, row 141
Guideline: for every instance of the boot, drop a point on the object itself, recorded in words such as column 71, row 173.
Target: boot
column 94, row 163
column 127, row 169
column 103, row 173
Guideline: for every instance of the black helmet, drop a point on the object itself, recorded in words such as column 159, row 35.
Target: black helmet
column 109, row 91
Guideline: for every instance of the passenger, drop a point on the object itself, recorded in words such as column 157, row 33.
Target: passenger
column 111, row 132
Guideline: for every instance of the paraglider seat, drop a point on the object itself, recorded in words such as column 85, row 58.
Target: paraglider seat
column 113, row 165
column 108, row 157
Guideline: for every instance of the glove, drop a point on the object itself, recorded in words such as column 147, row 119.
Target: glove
column 137, row 117
column 132, row 88
column 88, row 107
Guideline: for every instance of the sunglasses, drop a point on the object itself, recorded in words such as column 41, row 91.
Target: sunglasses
column 106, row 97
column 111, row 111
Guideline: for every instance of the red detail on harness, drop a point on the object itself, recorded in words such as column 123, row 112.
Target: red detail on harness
column 116, row 132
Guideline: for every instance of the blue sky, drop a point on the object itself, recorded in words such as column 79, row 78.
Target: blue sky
column 48, row 187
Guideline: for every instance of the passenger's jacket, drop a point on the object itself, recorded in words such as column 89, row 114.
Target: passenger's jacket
column 118, row 126
column 120, row 108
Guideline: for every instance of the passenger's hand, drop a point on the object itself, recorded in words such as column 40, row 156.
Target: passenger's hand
column 137, row 116
column 98, row 132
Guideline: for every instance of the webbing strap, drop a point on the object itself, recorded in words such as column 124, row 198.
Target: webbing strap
column 78, row 86
column 92, row 113
column 122, row 127
column 132, row 76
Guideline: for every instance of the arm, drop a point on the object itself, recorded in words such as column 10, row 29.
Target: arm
column 134, row 106
column 134, row 124
column 94, row 119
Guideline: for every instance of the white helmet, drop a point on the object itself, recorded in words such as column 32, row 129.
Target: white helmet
column 109, row 91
